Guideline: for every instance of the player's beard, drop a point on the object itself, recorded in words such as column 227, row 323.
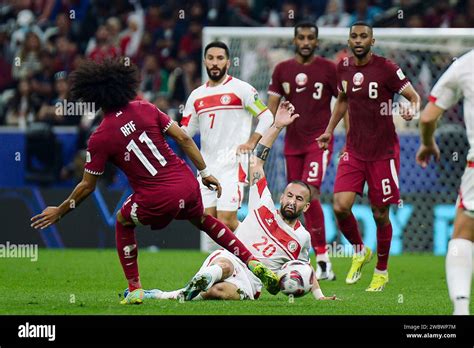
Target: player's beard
column 361, row 55
column 289, row 214
column 217, row 77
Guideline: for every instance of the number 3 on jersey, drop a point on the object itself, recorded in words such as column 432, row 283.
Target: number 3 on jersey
column 132, row 146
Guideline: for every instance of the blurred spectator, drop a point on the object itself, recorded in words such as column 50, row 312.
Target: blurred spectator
column 25, row 23
column 439, row 16
column 65, row 54
column 103, row 48
column 365, row 12
column 154, row 79
column 50, row 112
column 27, row 62
column 130, row 38
column 22, row 108
column 182, row 81
column 114, row 26
column 42, row 82
column 335, row 15
column 191, row 43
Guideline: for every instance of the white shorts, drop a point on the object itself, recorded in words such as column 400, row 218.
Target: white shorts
column 230, row 199
column 246, row 282
column 466, row 191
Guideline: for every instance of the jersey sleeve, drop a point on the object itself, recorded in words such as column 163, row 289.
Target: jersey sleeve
column 96, row 156
column 251, row 100
column 305, row 248
column 447, row 91
column 259, row 195
column 333, row 79
column 396, row 81
column 275, row 88
column 164, row 121
column 341, row 85
column 190, row 121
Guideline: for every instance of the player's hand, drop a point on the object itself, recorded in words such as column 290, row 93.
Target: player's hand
column 212, row 184
column 424, row 153
column 407, row 112
column 48, row 217
column 244, row 148
column 329, row 298
column 323, row 140
column 285, row 114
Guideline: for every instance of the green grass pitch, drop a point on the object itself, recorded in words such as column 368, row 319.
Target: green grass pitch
column 88, row 282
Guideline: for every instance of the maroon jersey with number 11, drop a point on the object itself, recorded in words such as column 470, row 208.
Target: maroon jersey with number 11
column 132, row 138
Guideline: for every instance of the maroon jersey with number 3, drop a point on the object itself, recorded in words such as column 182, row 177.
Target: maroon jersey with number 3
column 370, row 90
column 133, row 139
column 309, row 87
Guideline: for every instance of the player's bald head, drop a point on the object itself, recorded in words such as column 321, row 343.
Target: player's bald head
column 301, row 184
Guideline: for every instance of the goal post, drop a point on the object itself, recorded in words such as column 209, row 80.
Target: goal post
column 423, row 220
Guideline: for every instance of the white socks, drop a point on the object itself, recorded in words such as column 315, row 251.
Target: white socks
column 322, row 257
column 215, row 271
column 459, row 274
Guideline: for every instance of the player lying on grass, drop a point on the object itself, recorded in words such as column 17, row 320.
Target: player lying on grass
column 274, row 235
column 132, row 136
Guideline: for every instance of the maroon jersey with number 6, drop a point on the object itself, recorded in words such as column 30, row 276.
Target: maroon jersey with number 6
column 370, row 90
column 309, row 87
column 132, row 138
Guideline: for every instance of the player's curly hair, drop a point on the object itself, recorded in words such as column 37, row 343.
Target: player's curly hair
column 110, row 84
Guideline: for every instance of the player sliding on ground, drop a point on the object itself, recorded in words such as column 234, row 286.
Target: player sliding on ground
column 132, row 136
column 367, row 84
column 274, row 235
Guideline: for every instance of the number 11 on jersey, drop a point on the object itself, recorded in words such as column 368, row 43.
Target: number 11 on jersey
column 132, row 146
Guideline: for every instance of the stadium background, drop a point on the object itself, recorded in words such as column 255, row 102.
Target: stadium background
column 42, row 154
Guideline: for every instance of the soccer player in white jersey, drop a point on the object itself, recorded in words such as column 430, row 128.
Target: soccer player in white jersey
column 222, row 111
column 456, row 83
column 274, row 235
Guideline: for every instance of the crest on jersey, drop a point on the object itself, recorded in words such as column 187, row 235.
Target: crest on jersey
column 292, row 246
column 358, row 79
column 301, row 79
column 225, row 99
column 286, row 87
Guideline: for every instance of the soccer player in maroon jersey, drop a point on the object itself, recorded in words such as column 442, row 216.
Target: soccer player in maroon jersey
column 131, row 136
column 309, row 83
column 367, row 84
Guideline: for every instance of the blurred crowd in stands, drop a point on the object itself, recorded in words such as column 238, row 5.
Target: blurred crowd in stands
column 43, row 41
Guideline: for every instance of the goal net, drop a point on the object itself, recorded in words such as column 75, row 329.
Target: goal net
column 423, row 220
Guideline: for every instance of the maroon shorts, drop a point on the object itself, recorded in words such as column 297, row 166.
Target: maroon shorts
column 381, row 177
column 158, row 209
column 309, row 167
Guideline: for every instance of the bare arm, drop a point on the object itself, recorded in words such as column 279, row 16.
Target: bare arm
column 428, row 146
column 283, row 117
column 412, row 96
column 273, row 102
column 52, row 214
column 340, row 110
column 191, row 150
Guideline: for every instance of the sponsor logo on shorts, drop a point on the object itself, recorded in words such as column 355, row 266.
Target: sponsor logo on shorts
column 386, row 199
